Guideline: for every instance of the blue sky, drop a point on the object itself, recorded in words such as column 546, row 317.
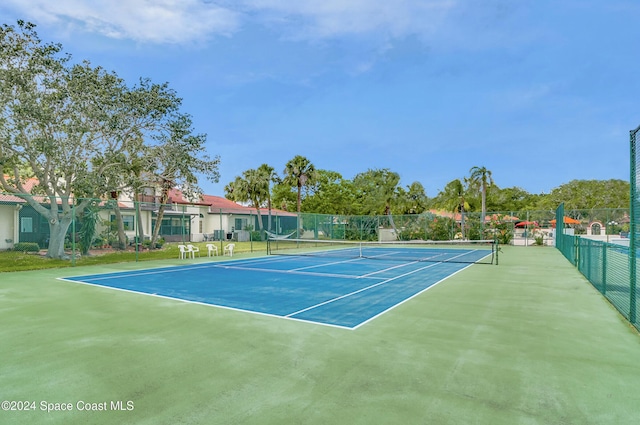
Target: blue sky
column 540, row 92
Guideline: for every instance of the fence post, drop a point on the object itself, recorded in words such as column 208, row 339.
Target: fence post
column 632, row 226
column 73, row 234
column 605, row 248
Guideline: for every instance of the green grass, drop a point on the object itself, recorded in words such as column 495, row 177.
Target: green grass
column 527, row 342
column 11, row 261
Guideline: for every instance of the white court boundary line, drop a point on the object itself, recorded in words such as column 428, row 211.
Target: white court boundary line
column 166, row 297
column 231, row 265
column 379, row 284
column 361, row 290
column 410, row 298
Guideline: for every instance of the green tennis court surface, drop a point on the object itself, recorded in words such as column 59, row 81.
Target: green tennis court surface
column 527, row 342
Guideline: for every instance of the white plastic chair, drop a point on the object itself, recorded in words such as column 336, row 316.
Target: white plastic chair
column 212, row 250
column 193, row 249
column 229, row 249
column 183, row 251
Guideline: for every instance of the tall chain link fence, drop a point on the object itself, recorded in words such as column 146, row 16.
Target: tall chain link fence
column 121, row 223
column 635, row 219
column 596, row 241
column 611, row 266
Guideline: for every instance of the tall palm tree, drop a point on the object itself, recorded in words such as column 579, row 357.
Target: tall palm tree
column 299, row 172
column 252, row 187
column 480, row 176
column 453, row 196
column 268, row 173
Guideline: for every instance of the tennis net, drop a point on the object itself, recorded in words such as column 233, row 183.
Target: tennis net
column 476, row 251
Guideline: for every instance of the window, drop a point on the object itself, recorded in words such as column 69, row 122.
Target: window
column 174, row 226
column 26, row 224
column 127, row 220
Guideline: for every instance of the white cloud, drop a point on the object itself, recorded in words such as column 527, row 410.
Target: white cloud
column 154, row 21
column 184, row 21
column 318, row 19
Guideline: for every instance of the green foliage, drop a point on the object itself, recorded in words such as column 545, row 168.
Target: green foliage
column 473, row 228
column 26, row 247
column 330, row 193
column 588, row 194
column 510, row 199
column 88, row 222
column 480, row 179
column 413, row 200
column 79, row 126
column 176, row 159
column 299, row 173
column 376, row 190
column 283, row 198
column 538, row 239
column 500, row 228
column 148, row 245
column 254, row 187
column 442, row 229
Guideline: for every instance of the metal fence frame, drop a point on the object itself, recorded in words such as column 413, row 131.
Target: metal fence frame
column 611, row 268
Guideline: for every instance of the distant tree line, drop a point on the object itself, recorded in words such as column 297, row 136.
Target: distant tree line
column 303, row 188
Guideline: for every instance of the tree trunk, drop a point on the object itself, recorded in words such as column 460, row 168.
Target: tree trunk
column 122, row 237
column 57, row 233
column 387, row 211
column 300, row 228
column 164, row 197
column 156, row 228
column 139, row 221
column 260, row 225
column 484, row 205
column 462, row 221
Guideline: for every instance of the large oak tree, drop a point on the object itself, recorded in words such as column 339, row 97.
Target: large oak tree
column 70, row 126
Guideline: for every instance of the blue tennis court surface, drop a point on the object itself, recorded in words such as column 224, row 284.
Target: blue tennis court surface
column 337, row 292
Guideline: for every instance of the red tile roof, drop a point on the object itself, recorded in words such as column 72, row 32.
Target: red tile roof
column 216, row 204
column 28, row 185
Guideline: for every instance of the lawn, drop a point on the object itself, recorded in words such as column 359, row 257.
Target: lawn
column 11, row 261
column 527, row 342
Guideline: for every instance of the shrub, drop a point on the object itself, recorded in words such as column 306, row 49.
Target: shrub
column 26, row 247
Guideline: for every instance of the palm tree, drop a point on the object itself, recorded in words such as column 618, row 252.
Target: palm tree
column 299, row 172
column 252, row 187
column 453, row 197
column 480, row 176
column 269, row 174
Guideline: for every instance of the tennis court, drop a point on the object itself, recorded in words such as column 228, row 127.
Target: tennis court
column 337, row 284
column 528, row 341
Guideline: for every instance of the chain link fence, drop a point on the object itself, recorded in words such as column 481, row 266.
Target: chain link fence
column 609, row 265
